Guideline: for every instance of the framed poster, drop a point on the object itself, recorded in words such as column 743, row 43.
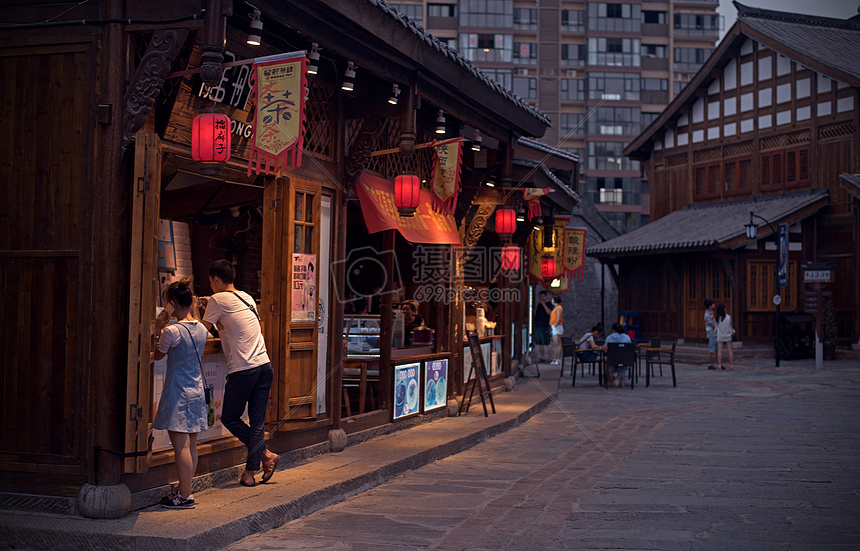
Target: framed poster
column 166, row 247
column 304, row 299
column 496, row 361
column 487, row 353
column 406, row 395
column 435, row 384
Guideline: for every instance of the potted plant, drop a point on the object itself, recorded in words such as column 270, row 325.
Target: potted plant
column 828, row 328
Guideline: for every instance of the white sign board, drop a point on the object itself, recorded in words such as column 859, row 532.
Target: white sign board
column 817, row 276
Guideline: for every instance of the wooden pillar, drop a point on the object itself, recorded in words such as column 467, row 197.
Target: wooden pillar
column 337, row 352
column 385, row 319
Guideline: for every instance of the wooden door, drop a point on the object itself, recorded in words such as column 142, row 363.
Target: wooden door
column 143, row 289
column 703, row 279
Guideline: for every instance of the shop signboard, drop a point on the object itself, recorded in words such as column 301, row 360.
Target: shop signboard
column 435, row 384
column 406, row 389
column 304, row 292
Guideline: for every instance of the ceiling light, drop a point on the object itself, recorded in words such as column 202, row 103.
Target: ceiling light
column 476, row 141
column 255, row 29
column 349, row 78
column 395, row 92
column 440, row 122
column 313, row 58
column 489, row 183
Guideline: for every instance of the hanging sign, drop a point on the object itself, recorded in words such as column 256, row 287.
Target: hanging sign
column 573, row 252
column 782, row 266
column 278, row 84
column 446, row 171
column 533, row 195
column 304, row 294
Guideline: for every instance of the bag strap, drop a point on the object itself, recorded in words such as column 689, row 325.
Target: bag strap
column 245, row 302
column 199, row 359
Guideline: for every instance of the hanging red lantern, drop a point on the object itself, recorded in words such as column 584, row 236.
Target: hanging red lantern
column 506, row 222
column 510, row 258
column 406, row 193
column 210, row 141
column 548, row 268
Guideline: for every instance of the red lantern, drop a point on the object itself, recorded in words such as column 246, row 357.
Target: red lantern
column 210, row 141
column 548, row 268
column 406, row 193
column 506, row 222
column 510, row 258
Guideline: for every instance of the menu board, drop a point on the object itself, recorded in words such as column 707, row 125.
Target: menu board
column 406, row 389
column 435, row 384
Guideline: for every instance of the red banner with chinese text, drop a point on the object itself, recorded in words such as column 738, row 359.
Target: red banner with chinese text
column 278, row 89
column 376, row 196
column 446, row 171
column 533, row 195
column 573, row 253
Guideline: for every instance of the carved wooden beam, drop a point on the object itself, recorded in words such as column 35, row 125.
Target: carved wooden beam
column 477, row 225
column 149, row 78
column 359, row 153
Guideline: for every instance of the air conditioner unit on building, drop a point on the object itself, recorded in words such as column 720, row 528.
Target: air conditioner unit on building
column 571, row 73
column 521, row 72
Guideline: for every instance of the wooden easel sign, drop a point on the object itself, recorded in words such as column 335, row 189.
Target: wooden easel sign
column 481, row 380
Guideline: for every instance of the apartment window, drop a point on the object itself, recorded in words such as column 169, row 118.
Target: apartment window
column 615, row 17
column 441, row 10
column 525, row 19
column 415, row 12
column 571, row 124
column 654, row 50
column 697, row 24
column 502, row 76
column 487, row 47
column 614, row 86
column 655, row 84
column 615, row 121
column 573, row 54
column 609, row 156
column 690, row 58
column 525, row 87
column 613, row 190
column 654, row 17
column 487, row 13
column 525, row 53
column 573, row 89
column 677, row 86
column 648, row 118
column 573, row 21
column 614, row 52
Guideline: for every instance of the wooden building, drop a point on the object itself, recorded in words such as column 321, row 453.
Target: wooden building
column 765, row 127
column 101, row 205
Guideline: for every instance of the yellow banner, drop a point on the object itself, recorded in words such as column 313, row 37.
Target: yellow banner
column 446, row 170
column 279, row 113
column 573, row 254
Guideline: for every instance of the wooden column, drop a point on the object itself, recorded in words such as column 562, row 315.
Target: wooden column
column 336, row 348
column 385, row 319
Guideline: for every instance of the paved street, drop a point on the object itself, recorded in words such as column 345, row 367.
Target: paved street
column 756, row 458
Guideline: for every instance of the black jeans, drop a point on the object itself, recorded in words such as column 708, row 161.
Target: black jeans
column 250, row 387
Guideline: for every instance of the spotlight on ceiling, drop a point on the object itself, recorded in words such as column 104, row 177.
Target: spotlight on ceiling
column 314, row 59
column 440, row 122
column 395, row 94
column 255, row 29
column 349, row 78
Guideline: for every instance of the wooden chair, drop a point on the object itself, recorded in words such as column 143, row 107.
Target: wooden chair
column 621, row 354
column 567, row 351
column 656, row 356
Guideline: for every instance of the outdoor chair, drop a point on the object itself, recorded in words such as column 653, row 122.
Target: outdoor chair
column 658, row 357
column 567, row 351
column 596, row 365
column 621, row 354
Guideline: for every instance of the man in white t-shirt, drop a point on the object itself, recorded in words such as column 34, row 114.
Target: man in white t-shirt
column 249, row 371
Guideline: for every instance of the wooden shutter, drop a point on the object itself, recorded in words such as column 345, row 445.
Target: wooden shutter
column 143, row 289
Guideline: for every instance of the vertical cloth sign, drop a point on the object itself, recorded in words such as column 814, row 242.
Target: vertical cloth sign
column 782, row 267
column 573, row 252
column 533, row 195
column 446, row 170
column 278, row 87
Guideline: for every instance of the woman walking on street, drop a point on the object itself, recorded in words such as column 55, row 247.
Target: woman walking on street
column 724, row 336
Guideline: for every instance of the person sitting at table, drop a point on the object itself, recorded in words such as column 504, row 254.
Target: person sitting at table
column 618, row 335
column 411, row 319
column 586, row 347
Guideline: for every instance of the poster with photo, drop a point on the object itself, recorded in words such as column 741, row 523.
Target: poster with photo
column 435, row 384
column 304, row 297
column 406, row 392
column 497, row 357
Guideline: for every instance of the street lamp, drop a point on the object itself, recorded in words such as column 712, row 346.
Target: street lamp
column 751, row 230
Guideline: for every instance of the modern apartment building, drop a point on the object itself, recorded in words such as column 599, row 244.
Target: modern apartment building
column 601, row 71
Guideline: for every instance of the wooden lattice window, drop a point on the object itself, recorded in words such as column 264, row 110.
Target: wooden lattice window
column 776, row 169
column 714, row 180
column 790, row 167
column 730, row 181
column 744, row 174
column 700, row 177
column 803, row 165
column 797, row 166
column 303, row 223
column 761, row 286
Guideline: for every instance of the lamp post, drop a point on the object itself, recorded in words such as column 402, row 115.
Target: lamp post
column 751, row 230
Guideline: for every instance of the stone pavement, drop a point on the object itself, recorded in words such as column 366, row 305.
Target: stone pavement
column 756, row 458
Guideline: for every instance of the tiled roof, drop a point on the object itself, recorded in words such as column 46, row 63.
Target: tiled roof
column 831, row 42
column 455, row 56
column 707, row 226
column 557, row 183
column 534, row 144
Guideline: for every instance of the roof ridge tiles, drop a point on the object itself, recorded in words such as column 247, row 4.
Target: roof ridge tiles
column 748, row 12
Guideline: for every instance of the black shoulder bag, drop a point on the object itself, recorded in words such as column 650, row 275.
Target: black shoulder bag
column 207, row 392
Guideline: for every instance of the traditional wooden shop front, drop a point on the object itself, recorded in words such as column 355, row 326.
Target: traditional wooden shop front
column 133, row 210
column 758, row 138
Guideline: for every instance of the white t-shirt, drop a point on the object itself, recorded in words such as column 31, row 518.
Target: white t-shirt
column 724, row 329
column 239, row 329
